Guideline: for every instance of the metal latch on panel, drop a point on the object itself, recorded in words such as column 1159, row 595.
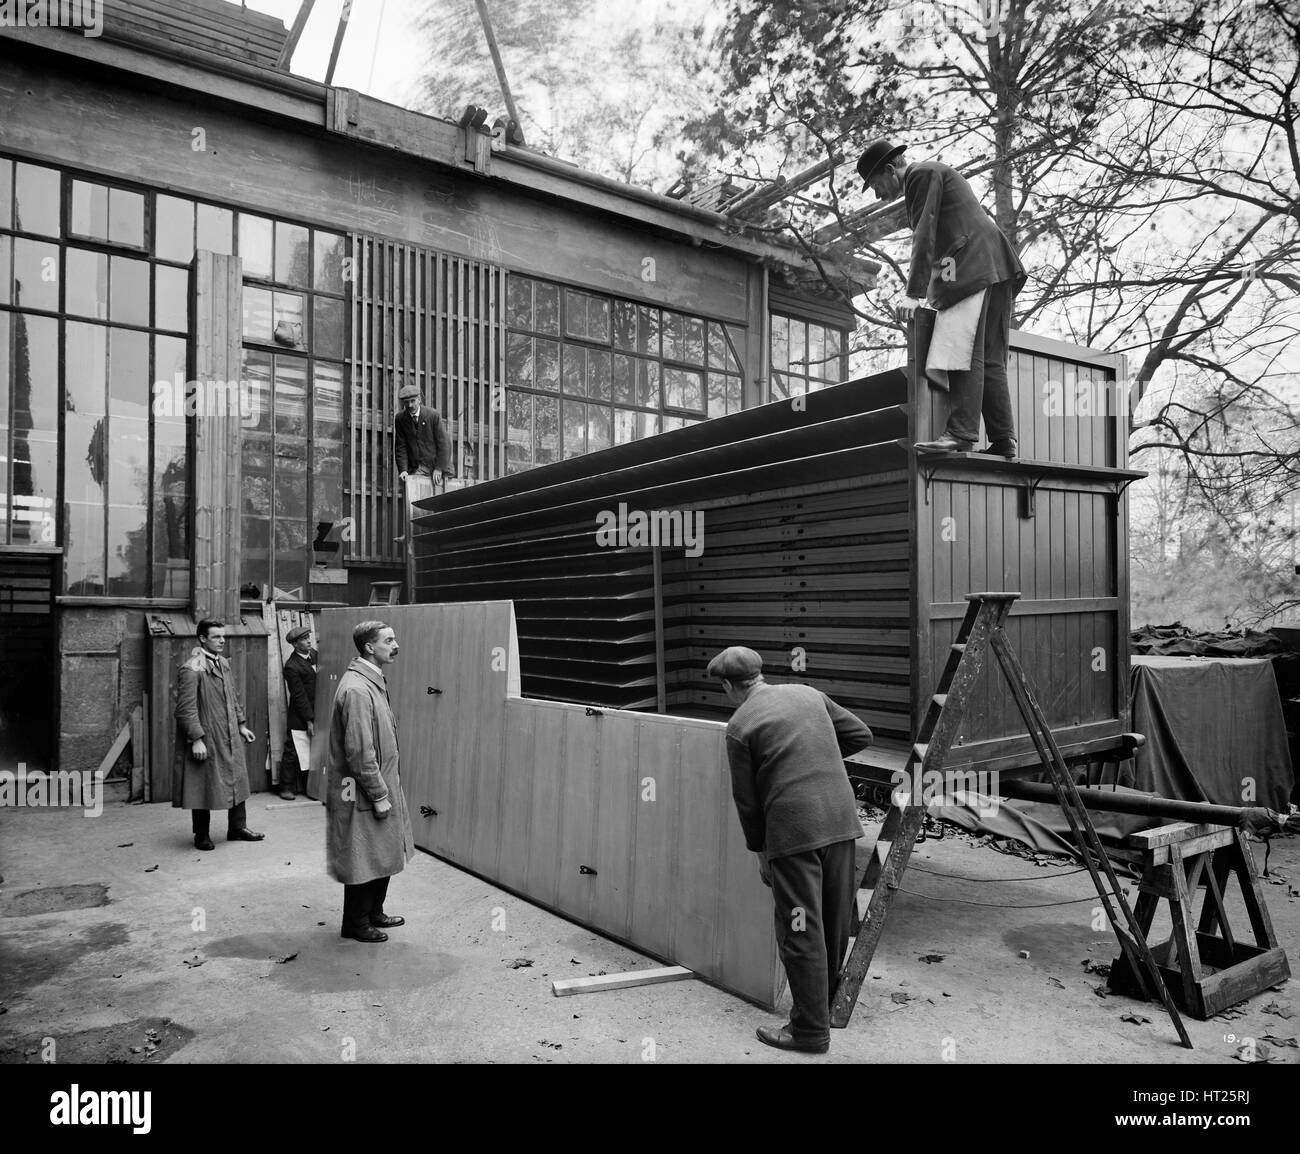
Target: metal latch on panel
column 432, row 689
column 582, row 869
column 428, row 811
column 595, row 712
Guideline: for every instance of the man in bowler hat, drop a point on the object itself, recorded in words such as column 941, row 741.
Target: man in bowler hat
column 300, row 680
column 786, row 746
column 420, row 443
column 958, row 251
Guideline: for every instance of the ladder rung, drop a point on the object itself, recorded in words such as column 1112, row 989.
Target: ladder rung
column 920, row 749
column 940, row 699
column 959, row 647
column 864, row 900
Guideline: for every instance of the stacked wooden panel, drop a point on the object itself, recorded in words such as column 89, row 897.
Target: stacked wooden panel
column 803, row 548
column 622, row 821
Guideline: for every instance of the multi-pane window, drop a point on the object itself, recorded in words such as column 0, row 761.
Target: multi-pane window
column 585, row 371
column 83, row 249
column 806, row 357
column 293, row 434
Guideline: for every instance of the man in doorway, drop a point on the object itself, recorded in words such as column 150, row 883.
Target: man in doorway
column 786, row 746
column 967, row 268
column 367, row 830
column 209, row 771
column 300, row 679
column 420, row 442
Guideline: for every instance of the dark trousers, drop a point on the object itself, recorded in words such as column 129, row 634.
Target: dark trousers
column 363, row 902
column 814, row 894
column 291, row 771
column 983, row 387
column 236, row 819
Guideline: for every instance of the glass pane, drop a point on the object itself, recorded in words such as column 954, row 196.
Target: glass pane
column 257, row 314
column 717, row 394
column 126, row 217
column 36, row 274
column 327, row 329
column 674, row 335
column 519, row 428
column 89, row 210
column 598, row 320
column 575, row 313
column 547, row 366
column 256, row 384
column 171, row 530
column 624, row 426
column 817, row 366
column 4, row 425
column 37, row 199
column 693, row 348
column 292, row 254
column 624, row 379
column 35, row 426
column 670, row 423
column 331, row 252
column 546, row 317
column 171, row 298
column 85, row 478
column 624, row 322
column 717, row 346
column 780, row 343
column 735, row 346
column 6, row 269
column 87, row 294
column 287, row 320
column 599, row 434
column 129, row 388
column 780, row 387
column 683, row 389
column 327, row 402
column 255, row 248
column 574, row 414
column 128, row 523
column 170, row 368
column 128, row 301
column 6, row 193
column 598, row 375
column 216, row 229
column 173, row 228
column 290, row 400
column 798, row 349
column 575, row 368
column 647, row 337
column 647, row 384
column 546, row 436
column 519, row 359
column 519, row 303
column 735, row 395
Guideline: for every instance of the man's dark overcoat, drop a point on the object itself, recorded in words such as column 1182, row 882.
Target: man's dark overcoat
column 208, row 707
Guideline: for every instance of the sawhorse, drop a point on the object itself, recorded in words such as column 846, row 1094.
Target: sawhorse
column 982, row 629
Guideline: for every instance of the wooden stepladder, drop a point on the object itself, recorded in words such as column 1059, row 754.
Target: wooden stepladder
column 981, row 629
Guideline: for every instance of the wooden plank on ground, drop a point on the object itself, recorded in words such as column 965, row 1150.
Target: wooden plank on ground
column 137, row 753
column 114, row 751
column 570, row 986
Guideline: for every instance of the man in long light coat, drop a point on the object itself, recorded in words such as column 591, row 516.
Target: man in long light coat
column 209, row 771
column 367, row 829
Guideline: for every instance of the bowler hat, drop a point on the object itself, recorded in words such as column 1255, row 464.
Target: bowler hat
column 407, row 391
column 878, row 151
column 297, row 632
column 736, row 663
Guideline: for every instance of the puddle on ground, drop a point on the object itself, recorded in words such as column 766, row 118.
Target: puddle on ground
column 328, row 964
column 54, row 900
column 30, row 957
column 101, row 1045
column 1053, row 946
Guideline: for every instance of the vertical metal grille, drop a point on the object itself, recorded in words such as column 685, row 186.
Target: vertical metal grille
column 436, row 320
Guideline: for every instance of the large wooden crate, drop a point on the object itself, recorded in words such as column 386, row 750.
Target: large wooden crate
column 622, row 821
column 830, row 547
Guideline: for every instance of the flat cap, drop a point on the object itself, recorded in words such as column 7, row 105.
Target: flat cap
column 408, row 391
column 736, row 663
column 295, row 633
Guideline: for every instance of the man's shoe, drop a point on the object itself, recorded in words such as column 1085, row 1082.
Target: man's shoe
column 1006, row 449
column 945, row 444
column 287, row 795
column 369, row 934
column 202, row 841
column 244, row 834
column 782, row 1039
column 387, row 921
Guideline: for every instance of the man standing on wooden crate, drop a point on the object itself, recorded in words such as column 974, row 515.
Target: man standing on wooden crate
column 786, row 746
column 300, row 678
column 967, row 268
column 367, row 830
column 209, row 771
column 420, row 442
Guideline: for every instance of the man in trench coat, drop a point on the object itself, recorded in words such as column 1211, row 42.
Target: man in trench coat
column 300, row 679
column 367, row 829
column 209, row 771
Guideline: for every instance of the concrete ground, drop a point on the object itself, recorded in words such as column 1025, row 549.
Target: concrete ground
column 119, row 942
